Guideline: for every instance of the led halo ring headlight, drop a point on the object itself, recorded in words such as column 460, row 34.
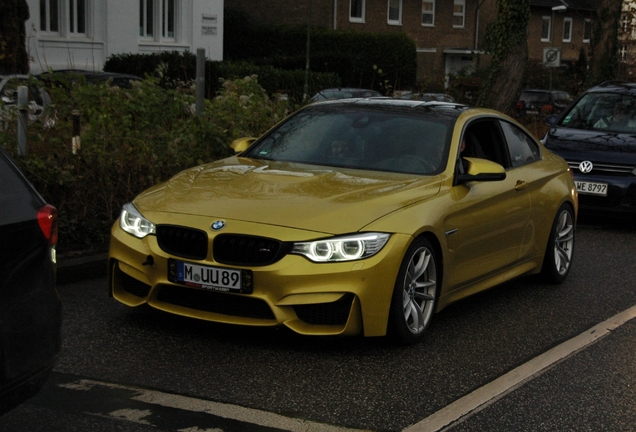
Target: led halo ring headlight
column 134, row 223
column 343, row 248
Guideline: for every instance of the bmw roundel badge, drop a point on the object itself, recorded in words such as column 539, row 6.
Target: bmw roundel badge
column 217, row 225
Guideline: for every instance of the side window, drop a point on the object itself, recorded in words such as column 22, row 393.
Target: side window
column 484, row 140
column 521, row 147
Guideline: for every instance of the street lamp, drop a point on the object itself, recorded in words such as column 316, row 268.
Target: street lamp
column 560, row 8
column 306, row 86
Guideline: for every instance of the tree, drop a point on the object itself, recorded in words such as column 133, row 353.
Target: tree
column 604, row 47
column 506, row 40
column 13, row 55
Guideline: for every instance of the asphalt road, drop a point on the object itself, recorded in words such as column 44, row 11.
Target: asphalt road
column 524, row 357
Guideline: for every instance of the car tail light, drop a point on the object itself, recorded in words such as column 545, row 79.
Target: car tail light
column 547, row 108
column 47, row 219
column 519, row 105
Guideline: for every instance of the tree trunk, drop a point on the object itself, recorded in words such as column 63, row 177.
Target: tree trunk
column 505, row 90
column 604, row 49
column 13, row 54
column 506, row 39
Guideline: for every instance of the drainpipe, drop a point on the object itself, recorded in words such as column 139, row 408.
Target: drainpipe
column 335, row 14
column 476, row 44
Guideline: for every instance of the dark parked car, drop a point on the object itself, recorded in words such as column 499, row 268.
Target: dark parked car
column 30, row 308
column 597, row 137
column 542, row 102
column 427, row 97
column 69, row 76
column 344, row 93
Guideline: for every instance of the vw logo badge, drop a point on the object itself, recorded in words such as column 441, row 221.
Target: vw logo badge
column 217, row 225
column 586, row 167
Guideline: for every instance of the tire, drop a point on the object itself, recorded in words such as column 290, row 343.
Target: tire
column 415, row 293
column 560, row 247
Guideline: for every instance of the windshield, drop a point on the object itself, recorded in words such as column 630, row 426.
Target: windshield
column 540, row 97
column 361, row 138
column 610, row 112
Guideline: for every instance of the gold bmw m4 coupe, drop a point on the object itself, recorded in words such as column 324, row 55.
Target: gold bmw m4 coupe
column 358, row 216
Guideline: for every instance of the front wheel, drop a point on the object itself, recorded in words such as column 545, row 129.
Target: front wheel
column 558, row 253
column 415, row 293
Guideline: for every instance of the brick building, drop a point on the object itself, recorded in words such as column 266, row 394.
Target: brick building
column 627, row 42
column 447, row 33
column 562, row 24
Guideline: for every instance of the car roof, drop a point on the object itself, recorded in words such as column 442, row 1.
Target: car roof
column 88, row 74
column 355, row 89
column 542, row 91
column 615, row 87
column 387, row 103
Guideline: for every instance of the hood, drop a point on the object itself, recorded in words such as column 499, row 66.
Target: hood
column 597, row 146
column 325, row 199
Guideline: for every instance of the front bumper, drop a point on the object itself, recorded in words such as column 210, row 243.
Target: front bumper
column 620, row 199
column 309, row 298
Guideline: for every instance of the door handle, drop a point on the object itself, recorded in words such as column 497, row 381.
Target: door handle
column 521, row 185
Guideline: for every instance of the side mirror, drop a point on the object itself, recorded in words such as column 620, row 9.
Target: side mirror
column 481, row 170
column 241, row 144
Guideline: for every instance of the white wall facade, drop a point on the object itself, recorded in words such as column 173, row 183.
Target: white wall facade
column 56, row 39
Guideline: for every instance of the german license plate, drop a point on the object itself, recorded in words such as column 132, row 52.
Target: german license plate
column 590, row 188
column 210, row 277
column 532, row 112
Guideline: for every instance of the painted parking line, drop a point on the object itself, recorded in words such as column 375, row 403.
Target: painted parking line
column 481, row 398
column 168, row 411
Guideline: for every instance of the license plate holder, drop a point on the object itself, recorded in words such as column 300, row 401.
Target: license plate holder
column 211, row 278
column 591, row 188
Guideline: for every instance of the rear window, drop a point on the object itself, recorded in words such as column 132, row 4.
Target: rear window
column 535, row 97
column 18, row 200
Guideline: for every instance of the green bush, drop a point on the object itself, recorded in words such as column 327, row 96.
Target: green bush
column 131, row 139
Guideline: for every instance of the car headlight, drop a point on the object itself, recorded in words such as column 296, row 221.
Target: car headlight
column 345, row 248
column 134, row 223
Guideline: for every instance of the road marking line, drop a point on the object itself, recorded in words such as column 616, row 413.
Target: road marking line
column 479, row 399
column 228, row 411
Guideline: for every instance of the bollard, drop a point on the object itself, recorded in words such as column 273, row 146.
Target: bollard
column 75, row 141
column 23, row 119
column 200, row 82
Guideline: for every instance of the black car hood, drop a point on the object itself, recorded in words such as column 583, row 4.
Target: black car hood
column 578, row 145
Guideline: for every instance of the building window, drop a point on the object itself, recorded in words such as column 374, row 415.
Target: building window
column 587, row 30
column 395, row 12
column 546, row 29
column 157, row 17
column 428, row 13
column 49, row 16
column 167, row 19
column 356, row 11
column 567, row 30
column 77, row 17
column 459, row 13
column 146, row 18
